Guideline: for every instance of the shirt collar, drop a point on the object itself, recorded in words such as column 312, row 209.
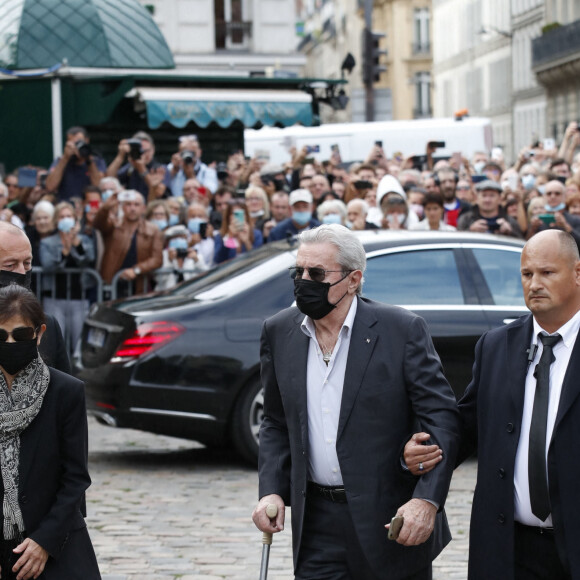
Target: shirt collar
column 309, row 329
column 568, row 332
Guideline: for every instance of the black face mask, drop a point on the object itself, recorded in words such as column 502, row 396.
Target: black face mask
column 7, row 278
column 14, row 356
column 312, row 297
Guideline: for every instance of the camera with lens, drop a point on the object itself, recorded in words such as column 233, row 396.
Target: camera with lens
column 83, row 148
column 222, row 171
column 136, row 149
column 188, row 157
column 182, row 252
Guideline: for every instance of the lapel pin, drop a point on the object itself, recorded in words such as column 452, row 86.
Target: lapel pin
column 368, row 340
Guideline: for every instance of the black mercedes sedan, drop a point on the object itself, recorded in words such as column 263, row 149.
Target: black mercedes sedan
column 185, row 362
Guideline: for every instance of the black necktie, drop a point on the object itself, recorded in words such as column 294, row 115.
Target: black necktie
column 537, row 476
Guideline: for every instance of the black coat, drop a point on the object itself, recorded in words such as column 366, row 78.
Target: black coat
column 52, row 348
column 491, row 414
column 53, row 478
column 393, row 386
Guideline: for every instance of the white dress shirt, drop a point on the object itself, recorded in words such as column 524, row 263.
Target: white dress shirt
column 562, row 351
column 324, row 386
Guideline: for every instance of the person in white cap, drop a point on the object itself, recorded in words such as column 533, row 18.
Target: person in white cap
column 389, row 185
column 300, row 220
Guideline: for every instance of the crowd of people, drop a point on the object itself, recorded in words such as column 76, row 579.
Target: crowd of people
column 141, row 224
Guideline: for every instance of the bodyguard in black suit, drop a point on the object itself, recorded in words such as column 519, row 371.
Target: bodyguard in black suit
column 346, row 380
column 525, row 520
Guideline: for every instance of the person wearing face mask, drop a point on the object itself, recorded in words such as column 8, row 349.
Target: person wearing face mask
column 300, row 220
column 43, row 453
column 392, row 197
column 331, row 212
column 66, row 294
column 201, row 232
column 344, row 379
column 528, row 175
column 158, row 214
column 478, row 162
column 179, row 256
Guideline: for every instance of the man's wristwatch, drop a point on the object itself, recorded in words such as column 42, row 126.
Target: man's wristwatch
column 137, row 270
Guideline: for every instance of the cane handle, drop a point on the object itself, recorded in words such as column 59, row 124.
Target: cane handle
column 271, row 512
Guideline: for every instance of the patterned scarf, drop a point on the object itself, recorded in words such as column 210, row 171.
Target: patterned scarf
column 18, row 408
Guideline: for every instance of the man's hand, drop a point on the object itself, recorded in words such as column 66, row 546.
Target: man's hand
column 176, row 164
column 128, row 274
column 262, row 521
column 419, row 522
column 32, row 560
column 416, row 453
column 505, row 227
column 560, row 222
column 480, row 226
column 70, row 150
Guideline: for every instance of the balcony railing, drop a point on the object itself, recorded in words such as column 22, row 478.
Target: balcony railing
column 233, row 35
column 421, row 48
column 555, row 44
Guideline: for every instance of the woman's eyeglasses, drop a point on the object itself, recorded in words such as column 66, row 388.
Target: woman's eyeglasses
column 18, row 334
column 316, row 274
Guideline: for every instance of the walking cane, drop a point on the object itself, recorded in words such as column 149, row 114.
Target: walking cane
column 271, row 512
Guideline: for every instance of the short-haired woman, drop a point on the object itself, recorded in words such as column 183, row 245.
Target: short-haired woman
column 43, row 454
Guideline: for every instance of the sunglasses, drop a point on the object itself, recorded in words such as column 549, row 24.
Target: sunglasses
column 315, row 274
column 18, row 334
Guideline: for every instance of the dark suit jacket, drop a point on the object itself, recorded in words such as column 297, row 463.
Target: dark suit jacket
column 53, row 479
column 491, row 414
column 393, row 382
column 52, row 348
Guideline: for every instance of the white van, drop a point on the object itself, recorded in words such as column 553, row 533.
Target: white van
column 355, row 140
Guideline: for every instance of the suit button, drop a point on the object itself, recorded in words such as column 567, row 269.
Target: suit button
column 501, row 518
column 501, row 472
column 23, row 499
column 510, row 428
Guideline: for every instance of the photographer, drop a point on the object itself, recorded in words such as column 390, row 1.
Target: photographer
column 187, row 163
column 488, row 216
column 78, row 167
column 141, row 170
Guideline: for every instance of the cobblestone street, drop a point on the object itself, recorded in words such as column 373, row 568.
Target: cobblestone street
column 164, row 509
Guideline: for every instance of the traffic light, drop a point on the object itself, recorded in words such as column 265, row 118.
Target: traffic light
column 372, row 68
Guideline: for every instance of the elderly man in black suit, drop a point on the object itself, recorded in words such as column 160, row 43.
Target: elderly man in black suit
column 344, row 380
column 521, row 412
column 16, row 268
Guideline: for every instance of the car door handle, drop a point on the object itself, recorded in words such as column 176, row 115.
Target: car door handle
column 509, row 320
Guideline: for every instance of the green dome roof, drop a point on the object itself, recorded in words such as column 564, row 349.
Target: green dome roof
column 88, row 33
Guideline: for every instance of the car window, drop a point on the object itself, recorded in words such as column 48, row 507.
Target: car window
column 414, row 277
column 501, row 270
column 238, row 274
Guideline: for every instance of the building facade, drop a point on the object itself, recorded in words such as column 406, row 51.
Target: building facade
column 218, row 36
column 472, row 63
column 556, row 63
column 529, row 96
column 334, row 28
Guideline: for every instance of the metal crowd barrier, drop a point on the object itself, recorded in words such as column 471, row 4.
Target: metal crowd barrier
column 99, row 291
